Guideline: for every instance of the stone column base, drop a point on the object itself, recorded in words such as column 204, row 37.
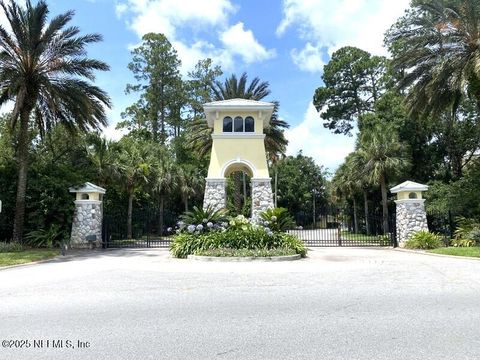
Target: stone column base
column 87, row 220
column 411, row 217
column 215, row 194
column 262, row 197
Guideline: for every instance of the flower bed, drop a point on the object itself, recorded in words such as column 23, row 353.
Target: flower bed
column 216, row 233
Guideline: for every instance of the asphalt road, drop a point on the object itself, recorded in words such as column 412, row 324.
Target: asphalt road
column 338, row 304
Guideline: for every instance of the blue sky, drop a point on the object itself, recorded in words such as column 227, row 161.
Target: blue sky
column 283, row 42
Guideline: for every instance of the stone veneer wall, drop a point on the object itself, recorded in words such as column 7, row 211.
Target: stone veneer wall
column 87, row 220
column 262, row 197
column 215, row 194
column 411, row 217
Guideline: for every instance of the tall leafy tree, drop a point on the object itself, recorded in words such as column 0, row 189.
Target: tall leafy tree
column 200, row 83
column 436, row 48
column 300, row 182
column 155, row 66
column 45, row 71
column 353, row 81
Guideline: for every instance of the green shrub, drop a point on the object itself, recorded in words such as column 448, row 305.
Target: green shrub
column 474, row 235
column 278, row 219
column 424, row 240
column 239, row 222
column 225, row 252
column 465, row 227
column 462, row 243
column 10, row 247
column 254, row 238
column 48, row 238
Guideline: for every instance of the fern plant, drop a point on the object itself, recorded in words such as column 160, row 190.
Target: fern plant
column 48, row 238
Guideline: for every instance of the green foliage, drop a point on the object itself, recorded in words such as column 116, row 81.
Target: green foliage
column 246, row 252
column 421, row 41
column 277, row 219
column 299, row 180
column 10, row 247
column 466, row 227
column 48, row 238
column 354, row 80
column 54, row 86
column 462, row 243
column 424, row 240
column 155, row 66
column 252, row 238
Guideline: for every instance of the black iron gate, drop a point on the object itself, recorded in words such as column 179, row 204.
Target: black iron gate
column 146, row 230
column 332, row 227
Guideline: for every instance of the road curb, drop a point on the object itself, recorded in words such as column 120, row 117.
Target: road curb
column 423, row 252
column 244, row 259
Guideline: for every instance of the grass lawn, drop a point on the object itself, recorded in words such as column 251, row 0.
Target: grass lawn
column 458, row 251
column 23, row 257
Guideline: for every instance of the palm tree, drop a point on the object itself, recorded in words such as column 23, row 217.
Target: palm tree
column 190, row 182
column 384, row 155
column 99, row 152
column 233, row 88
column 346, row 183
column 436, row 48
column 133, row 163
column 357, row 166
column 164, row 179
column 44, row 70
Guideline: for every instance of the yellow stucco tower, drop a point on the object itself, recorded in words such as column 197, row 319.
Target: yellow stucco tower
column 238, row 145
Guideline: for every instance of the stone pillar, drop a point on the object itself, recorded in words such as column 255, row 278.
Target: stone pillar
column 87, row 220
column 215, row 194
column 411, row 217
column 262, row 198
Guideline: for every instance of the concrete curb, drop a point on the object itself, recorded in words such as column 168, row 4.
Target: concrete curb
column 244, row 259
column 423, row 252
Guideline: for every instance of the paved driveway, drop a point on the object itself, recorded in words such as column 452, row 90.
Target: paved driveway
column 338, row 304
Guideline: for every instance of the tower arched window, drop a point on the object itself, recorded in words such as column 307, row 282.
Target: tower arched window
column 249, row 124
column 238, row 124
column 227, row 124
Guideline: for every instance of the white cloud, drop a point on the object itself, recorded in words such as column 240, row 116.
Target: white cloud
column 168, row 16
column 318, row 142
column 242, row 42
column 309, row 59
column 164, row 16
column 333, row 24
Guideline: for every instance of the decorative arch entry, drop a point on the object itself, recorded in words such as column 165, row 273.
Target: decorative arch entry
column 238, row 145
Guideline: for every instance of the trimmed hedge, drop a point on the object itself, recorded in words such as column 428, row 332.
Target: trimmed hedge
column 185, row 244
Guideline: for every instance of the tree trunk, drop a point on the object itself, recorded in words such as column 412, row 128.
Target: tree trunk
column 161, row 203
column 365, row 203
column 185, row 201
column 129, row 214
column 355, row 217
column 244, row 179
column 383, row 186
column 22, row 159
column 276, row 187
column 237, row 196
